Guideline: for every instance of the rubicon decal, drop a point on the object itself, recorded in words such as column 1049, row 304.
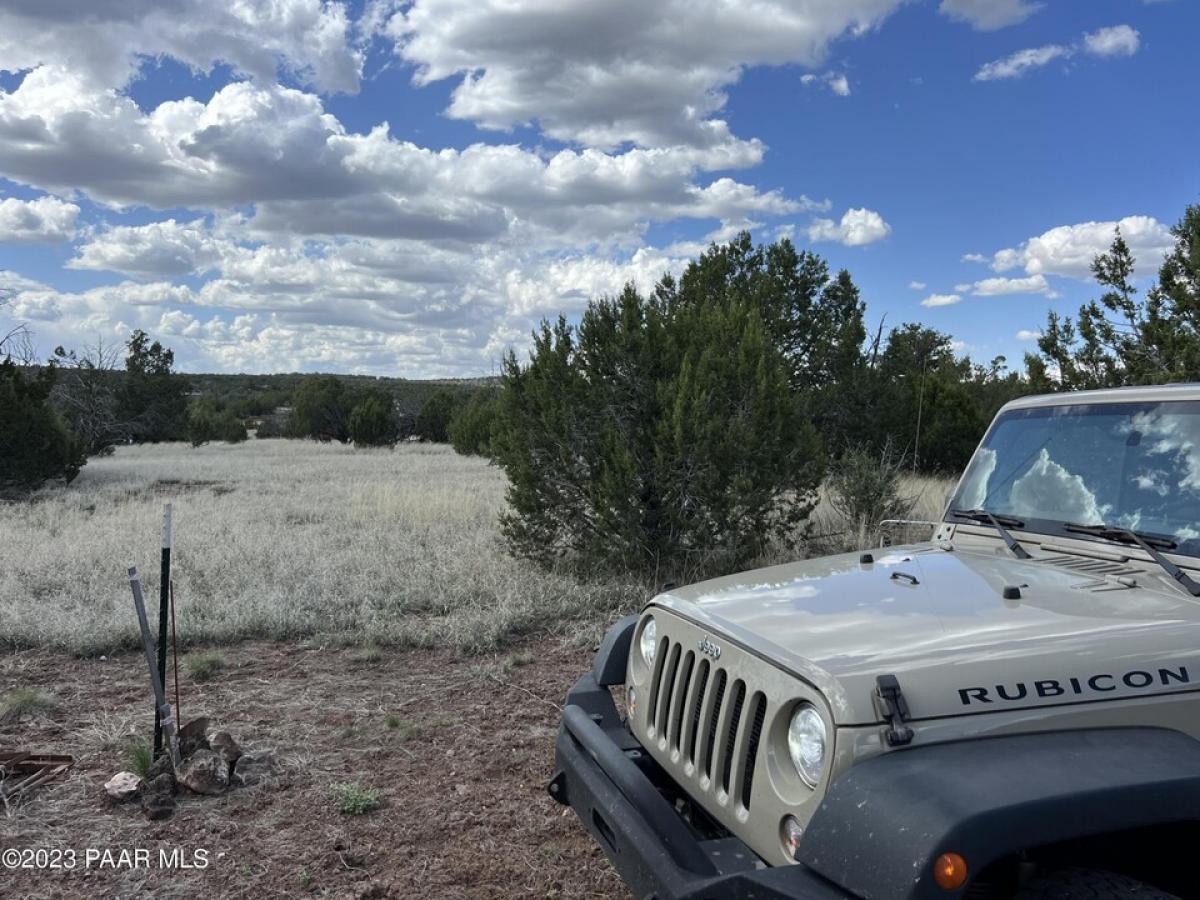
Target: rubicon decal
column 1092, row 685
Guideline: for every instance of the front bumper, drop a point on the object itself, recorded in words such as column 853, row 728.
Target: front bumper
column 601, row 772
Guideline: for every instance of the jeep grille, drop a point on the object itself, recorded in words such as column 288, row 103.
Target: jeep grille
column 708, row 725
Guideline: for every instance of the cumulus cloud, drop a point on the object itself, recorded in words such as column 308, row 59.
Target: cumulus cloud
column 974, row 258
column 653, row 72
column 995, row 287
column 934, row 300
column 856, row 228
column 988, row 15
column 279, row 149
column 1069, row 249
column 1119, row 40
column 310, row 40
column 159, row 250
column 44, row 220
column 916, row 285
column 1028, row 334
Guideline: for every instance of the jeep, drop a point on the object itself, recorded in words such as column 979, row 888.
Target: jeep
column 1010, row 709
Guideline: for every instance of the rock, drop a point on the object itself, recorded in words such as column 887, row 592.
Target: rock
column 193, row 736
column 254, row 767
column 158, row 800
column 226, row 747
column 123, row 786
column 204, row 772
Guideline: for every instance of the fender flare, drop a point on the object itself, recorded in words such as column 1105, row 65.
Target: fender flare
column 883, row 822
column 613, row 656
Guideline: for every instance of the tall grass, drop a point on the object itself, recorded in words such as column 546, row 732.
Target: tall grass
column 294, row 539
column 283, row 539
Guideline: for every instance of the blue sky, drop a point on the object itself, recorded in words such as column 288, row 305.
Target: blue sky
column 224, row 178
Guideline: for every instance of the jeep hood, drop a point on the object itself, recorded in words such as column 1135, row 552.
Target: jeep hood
column 940, row 622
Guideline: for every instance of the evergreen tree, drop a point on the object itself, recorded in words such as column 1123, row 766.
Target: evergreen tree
column 433, row 420
column 321, row 410
column 152, row 401
column 661, row 435
column 373, row 421
column 35, row 443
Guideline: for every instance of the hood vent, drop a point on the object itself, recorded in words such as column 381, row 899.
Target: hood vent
column 1099, row 570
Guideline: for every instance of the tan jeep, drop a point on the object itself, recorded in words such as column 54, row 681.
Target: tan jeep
column 1009, row 710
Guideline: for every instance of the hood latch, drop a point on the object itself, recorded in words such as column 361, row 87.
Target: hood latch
column 891, row 705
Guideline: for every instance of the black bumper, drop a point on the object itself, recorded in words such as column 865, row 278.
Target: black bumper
column 602, row 775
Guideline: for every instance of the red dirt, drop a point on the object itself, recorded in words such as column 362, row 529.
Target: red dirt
column 465, row 811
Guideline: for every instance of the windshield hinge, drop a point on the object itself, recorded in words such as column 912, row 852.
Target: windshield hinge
column 891, row 705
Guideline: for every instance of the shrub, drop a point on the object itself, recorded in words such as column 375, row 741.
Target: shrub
column 373, row 421
column 205, row 666
column 433, row 421
column 658, row 437
column 24, row 702
column 864, row 488
column 353, row 799
column 472, row 421
column 206, row 421
column 35, row 443
column 139, row 757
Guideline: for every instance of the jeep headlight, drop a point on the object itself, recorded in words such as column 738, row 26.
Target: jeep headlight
column 806, row 743
column 649, row 641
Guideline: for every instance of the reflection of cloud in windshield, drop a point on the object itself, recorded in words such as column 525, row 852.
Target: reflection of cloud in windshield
column 1153, row 480
column 1175, row 434
column 974, row 491
column 1048, row 491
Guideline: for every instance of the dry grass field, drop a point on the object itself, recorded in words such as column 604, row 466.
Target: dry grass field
column 355, row 611
column 292, row 540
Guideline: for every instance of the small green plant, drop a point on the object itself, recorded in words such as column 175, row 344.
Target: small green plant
column 139, row 756
column 304, row 879
column 24, row 702
column 246, row 870
column 372, row 653
column 404, row 728
column 353, row 799
column 205, row 666
column 521, row 658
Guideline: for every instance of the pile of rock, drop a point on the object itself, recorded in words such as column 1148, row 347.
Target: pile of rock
column 208, row 765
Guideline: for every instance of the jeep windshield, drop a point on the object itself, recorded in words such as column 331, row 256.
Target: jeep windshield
column 1134, row 466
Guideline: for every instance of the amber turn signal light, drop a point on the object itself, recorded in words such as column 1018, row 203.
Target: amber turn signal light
column 950, row 871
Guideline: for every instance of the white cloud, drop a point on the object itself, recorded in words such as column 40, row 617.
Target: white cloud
column 653, row 72
column 836, row 82
column 43, row 220
column 278, row 149
column 1026, row 334
column 916, row 285
column 856, row 228
column 989, row 15
column 1119, row 40
column 941, row 300
column 995, row 287
column 974, row 258
column 1017, row 64
column 159, row 250
column 1070, row 249
column 311, row 40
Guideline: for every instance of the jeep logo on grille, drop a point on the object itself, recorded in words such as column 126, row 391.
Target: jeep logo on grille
column 707, row 646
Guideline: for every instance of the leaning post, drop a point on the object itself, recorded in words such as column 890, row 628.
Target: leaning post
column 162, row 708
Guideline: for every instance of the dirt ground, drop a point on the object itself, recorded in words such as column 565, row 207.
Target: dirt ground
column 460, row 749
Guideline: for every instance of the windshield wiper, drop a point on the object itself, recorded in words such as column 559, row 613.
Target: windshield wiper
column 998, row 522
column 1147, row 542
